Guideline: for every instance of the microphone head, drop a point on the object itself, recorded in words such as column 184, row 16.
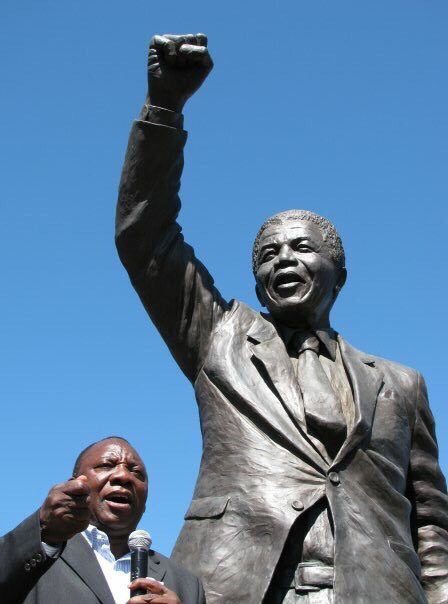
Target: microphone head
column 139, row 540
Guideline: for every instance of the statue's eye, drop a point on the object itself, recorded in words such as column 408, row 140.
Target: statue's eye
column 268, row 255
column 303, row 247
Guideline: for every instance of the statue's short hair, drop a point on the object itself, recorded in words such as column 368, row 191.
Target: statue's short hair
column 329, row 234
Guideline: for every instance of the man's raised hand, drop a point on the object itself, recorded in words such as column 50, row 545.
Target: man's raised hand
column 65, row 512
column 177, row 67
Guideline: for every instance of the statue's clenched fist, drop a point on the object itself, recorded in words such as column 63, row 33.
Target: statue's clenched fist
column 65, row 512
column 177, row 66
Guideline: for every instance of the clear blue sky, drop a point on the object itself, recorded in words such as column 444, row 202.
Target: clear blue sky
column 339, row 107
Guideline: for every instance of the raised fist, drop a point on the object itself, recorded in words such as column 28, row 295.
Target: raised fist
column 177, row 66
column 65, row 512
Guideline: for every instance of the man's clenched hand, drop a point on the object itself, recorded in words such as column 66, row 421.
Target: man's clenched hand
column 177, row 67
column 156, row 592
column 65, row 512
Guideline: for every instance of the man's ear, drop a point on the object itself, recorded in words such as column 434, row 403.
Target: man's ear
column 260, row 295
column 341, row 282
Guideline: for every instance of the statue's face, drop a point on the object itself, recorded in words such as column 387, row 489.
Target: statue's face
column 296, row 278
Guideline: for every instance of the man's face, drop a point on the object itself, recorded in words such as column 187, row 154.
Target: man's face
column 119, row 486
column 296, row 278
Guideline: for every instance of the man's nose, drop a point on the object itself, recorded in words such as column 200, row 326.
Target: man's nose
column 121, row 474
column 286, row 255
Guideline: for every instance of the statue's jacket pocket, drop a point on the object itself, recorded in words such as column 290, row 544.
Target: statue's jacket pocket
column 207, row 507
column 408, row 555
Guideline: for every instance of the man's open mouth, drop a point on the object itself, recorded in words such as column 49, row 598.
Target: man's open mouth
column 119, row 500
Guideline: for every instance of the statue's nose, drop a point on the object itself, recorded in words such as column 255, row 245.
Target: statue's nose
column 285, row 255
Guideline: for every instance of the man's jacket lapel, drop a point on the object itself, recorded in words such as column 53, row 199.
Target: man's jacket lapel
column 156, row 567
column 80, row 557
column 274, row 365
column 366, row 381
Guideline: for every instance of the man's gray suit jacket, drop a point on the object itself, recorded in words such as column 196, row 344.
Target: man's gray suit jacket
column 260, row 471
column 28, row 576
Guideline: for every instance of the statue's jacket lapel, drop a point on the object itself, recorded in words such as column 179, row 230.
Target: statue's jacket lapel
column 366, row 381
column 252, row 367
column 266, row 352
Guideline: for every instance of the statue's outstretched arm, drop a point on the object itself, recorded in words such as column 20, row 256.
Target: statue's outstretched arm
column 175, row 288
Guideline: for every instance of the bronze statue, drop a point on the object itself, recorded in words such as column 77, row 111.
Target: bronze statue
column 319, row 479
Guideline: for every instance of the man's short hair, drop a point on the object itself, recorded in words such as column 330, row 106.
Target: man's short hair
column 84, row 451
column 328, row 230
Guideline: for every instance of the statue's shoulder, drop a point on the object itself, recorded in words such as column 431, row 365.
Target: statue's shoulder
column 399, row 371
column 243, row 318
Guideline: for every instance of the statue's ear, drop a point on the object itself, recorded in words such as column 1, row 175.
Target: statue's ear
column 341, row 282
column 260, row 295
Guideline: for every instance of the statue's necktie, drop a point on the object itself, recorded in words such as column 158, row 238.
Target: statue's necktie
column 323, row 410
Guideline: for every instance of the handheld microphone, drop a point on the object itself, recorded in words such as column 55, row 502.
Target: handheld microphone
column 139, row 543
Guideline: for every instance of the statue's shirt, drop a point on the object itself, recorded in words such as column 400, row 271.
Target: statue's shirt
column 317, row 531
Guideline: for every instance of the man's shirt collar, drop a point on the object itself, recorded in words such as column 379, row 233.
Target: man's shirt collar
column 100, row 544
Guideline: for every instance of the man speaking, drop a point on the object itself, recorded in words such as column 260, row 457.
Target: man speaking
column 74, row 550
column 319, row 479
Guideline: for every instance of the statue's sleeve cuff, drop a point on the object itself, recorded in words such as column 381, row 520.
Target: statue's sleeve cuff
column 161, row 116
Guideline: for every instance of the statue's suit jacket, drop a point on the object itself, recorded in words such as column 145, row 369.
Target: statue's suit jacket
column 27, row 576
column 260, row 471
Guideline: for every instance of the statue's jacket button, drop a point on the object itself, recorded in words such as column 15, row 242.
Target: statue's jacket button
column 334, row 478
column 298, row 505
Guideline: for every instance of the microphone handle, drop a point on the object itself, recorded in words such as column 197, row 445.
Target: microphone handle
column 139, row 568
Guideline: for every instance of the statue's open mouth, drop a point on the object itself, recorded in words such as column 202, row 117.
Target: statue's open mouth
column 287, row 280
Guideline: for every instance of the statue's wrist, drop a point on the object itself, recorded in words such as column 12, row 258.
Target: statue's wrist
column 165, row 102
column 159, row 115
